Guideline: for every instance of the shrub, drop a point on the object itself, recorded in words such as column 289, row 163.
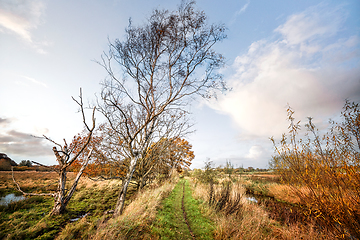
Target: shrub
column 324, row 171
column 225, row 200
column 208, row 175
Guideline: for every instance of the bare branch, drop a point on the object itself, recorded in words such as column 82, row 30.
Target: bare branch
column 54, row 169
column 24, row 193
column 49, row 139
column 72, row 190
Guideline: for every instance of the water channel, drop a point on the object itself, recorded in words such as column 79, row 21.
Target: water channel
column 4, row 201
column 252, row 199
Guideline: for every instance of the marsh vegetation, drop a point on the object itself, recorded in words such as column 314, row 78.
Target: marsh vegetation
column 218, row 209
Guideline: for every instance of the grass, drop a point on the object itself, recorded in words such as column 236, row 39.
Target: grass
column 28, row 219
column 170, row 222
column 156, row 212
column 30, row 181
column 252, row 223
column 138, row 216
column 256, row 221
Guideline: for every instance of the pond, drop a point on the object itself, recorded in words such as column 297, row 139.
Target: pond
column 79, row 217
column 4, row 201
column 252, row 199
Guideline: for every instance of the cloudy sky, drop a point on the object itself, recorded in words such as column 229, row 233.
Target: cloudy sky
column 302, row 53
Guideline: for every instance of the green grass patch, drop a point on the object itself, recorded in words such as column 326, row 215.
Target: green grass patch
column 170, row 222
column 29, row 219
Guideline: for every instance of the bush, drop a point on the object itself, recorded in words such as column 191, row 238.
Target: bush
column 208, row 175
column 324, row 171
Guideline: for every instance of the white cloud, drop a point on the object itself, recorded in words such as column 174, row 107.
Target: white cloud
column 243, row 9
column 35, row 81
column 239, row 12
column 21, row 17
column 18, row 143
column 254, row 152
column 315, row 22
column 305, row 68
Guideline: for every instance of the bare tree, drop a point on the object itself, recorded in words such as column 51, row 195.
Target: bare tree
column 158, row 61
column 65, row 158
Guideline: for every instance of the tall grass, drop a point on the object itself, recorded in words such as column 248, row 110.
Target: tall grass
column 250, row 220
column 137, row 217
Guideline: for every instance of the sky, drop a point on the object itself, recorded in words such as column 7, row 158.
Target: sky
column 305, row 54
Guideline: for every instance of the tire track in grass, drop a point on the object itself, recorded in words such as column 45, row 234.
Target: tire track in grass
column 180, row 217
column 184, row 212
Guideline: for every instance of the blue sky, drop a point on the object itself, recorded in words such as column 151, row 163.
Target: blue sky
column 302, row 53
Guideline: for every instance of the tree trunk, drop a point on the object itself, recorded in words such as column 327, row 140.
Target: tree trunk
column 59, row 204
column 142, row 182
column 61, row 198
column 122, row 195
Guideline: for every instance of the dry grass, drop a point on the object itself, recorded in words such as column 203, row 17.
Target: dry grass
column 30, row 181
column 26, row 175
column 271, row 186
column 254, row 222
column 45, row 181
column 283, row 192
column 136, row 220
column 298, row 231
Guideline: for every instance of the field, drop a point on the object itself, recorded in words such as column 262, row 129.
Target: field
column 176, row 209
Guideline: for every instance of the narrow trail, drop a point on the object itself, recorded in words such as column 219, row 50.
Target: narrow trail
column 184, row 213
column 180, row 216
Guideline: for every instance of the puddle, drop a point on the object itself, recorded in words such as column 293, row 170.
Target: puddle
column 252, row 199
column 75, row 219
column 10, row 198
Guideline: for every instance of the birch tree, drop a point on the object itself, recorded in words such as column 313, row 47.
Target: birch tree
column 153, row 74
column 66, row 156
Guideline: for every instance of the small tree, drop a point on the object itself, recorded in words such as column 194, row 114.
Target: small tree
column 100, row 166
column 65, row 157
column 208, row 175
column 229, row 168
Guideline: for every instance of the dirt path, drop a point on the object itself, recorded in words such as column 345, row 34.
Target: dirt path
column 180, row 216
column 184, row 212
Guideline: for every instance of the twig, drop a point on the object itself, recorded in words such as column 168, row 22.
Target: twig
column 54, row 169
column 49, row 139
column 24, row 193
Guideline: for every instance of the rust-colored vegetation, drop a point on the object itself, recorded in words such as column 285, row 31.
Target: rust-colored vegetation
column 323, row 171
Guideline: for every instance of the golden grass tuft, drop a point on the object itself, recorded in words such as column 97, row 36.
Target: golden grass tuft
column 137, row 217
column 297, row 232
column 283, row 192
column 82, row 229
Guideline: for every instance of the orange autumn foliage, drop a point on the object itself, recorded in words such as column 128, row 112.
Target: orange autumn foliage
column 99, row 165
column 175, row 153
